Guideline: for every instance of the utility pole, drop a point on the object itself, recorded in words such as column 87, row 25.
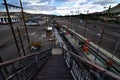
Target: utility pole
column 86, row 23
column 102, row 34
column 25, row 24
column 78, row 19
column 103, row 29
column 10, row 23
column 78, row 14
column 21, row 41
column 71, row 20
column 116, row 47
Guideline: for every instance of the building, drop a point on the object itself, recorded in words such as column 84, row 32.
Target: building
column 4, row 19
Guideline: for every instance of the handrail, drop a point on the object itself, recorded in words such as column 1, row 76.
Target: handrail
column 102, row 56
column 25, row 67
column 91, row 65
column 108, row 54
column 19, row 58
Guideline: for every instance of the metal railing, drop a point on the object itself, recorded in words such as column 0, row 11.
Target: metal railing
column 24, row 68
column 103, row 58
column 83, row 69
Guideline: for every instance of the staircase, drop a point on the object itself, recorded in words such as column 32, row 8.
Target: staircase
column 62, row 64
column 55, row 68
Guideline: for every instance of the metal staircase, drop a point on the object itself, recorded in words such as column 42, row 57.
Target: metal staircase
column 44, row 66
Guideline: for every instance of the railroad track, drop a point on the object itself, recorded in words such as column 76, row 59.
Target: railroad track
column 103, row 58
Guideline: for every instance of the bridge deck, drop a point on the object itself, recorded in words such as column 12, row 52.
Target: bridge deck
column 55, row 68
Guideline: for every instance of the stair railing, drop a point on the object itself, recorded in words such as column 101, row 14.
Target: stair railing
column 83, row 69
column 23, row 68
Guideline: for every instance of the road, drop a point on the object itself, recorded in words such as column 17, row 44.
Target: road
column 8, row 48
column 110, row 38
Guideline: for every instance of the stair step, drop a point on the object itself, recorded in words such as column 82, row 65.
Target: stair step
column 54, row 69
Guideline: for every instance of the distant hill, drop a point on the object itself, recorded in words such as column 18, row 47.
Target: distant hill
column 115, row 9
column 11, row 13
column 27, row 15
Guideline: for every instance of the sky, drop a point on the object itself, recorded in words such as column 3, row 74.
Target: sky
column 62, row 7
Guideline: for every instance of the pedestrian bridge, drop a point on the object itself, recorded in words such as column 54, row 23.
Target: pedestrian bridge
column 55, row 63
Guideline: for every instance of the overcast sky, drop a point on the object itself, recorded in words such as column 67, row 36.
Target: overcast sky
column 63, row 7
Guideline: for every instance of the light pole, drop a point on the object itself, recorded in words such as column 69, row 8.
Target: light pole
column 78, row 14
column 86, row 23
column 25, row 24
column 116, row 47
column 103, row 29
column 78, row 18
column 22, row 45
column 11, row 25
column 66, row 20
column 102, row 33
column 108, row 11
column 71, row 19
